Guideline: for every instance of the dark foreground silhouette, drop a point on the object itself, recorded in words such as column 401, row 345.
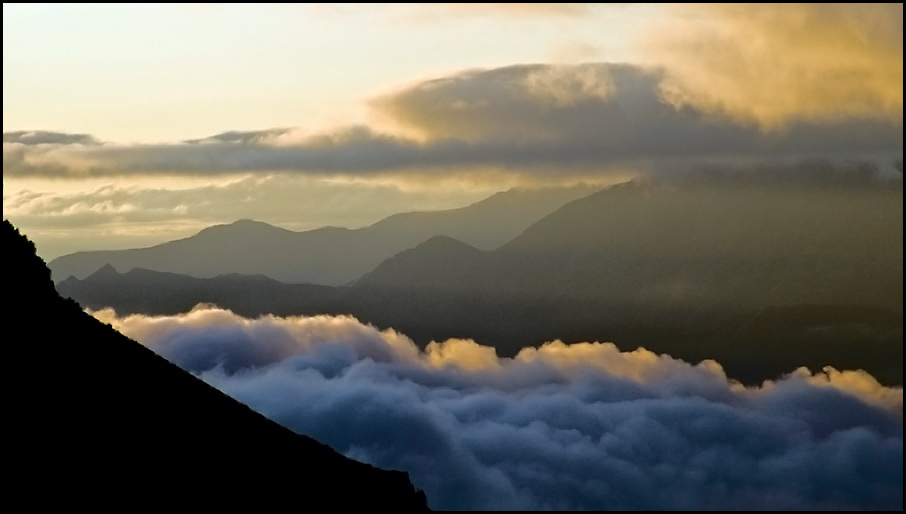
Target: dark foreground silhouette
column 99, row 419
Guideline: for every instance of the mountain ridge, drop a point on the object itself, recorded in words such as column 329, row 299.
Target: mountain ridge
column 326, row 255
column 675, row 267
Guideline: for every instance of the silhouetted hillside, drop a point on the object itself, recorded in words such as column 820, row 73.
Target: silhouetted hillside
column 329, row 255
column 98, row 419
column 170, row 293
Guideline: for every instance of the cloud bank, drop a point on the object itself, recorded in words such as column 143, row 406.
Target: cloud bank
column 773, row 64
column 558, row 427
column 536, row 120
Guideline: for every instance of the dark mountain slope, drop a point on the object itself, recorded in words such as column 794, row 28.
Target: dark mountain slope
column 694, row 246
column 486, row 224
column 98, row 419
column 329, row 255
column 156, row 292
column 680, row 268
column 449, row 262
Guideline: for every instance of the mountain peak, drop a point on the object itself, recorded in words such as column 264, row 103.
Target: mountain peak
column 242, row 228
column 434, row 260
column 106, row 271
column 249, row 222
column 446, row 243
column 328, row 255
column 243, row 223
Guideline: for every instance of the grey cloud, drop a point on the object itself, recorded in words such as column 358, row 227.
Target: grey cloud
column 561, row 427
column 609, row 110
column 43, row 137
column 244, row 137
column 353, row 150
column 805, row 172
column 551, row 120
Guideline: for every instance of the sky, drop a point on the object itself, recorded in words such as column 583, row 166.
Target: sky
column 126, row 126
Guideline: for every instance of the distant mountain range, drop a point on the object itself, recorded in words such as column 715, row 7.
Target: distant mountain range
column 759, row 277
column 329, row 255
column 685, row 245
column 97, row 419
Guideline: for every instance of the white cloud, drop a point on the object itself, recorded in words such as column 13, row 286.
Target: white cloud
column 560, row 427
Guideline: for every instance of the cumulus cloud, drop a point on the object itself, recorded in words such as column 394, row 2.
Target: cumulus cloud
column 606, row 113
column 557, row 427
column 554, row 121
column 773, row 64
column 525, row 103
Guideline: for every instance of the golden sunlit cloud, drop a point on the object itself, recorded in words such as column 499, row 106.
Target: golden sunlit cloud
column 639, row 365
column 774, row 64
column 514, row 103
column 462, row 353
column 858, row 382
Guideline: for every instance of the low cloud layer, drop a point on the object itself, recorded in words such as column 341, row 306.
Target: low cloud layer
column 559, row 427
column 550, row 121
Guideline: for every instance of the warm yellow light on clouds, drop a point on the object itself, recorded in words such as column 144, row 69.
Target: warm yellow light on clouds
column 639, row 365
column 775, row 63
column 523, row 103
column 858, row 383
column 282, row 337
column 563, row 85
column 462, row 353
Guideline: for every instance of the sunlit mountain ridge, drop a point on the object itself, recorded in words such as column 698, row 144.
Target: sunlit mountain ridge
column 329, row 255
